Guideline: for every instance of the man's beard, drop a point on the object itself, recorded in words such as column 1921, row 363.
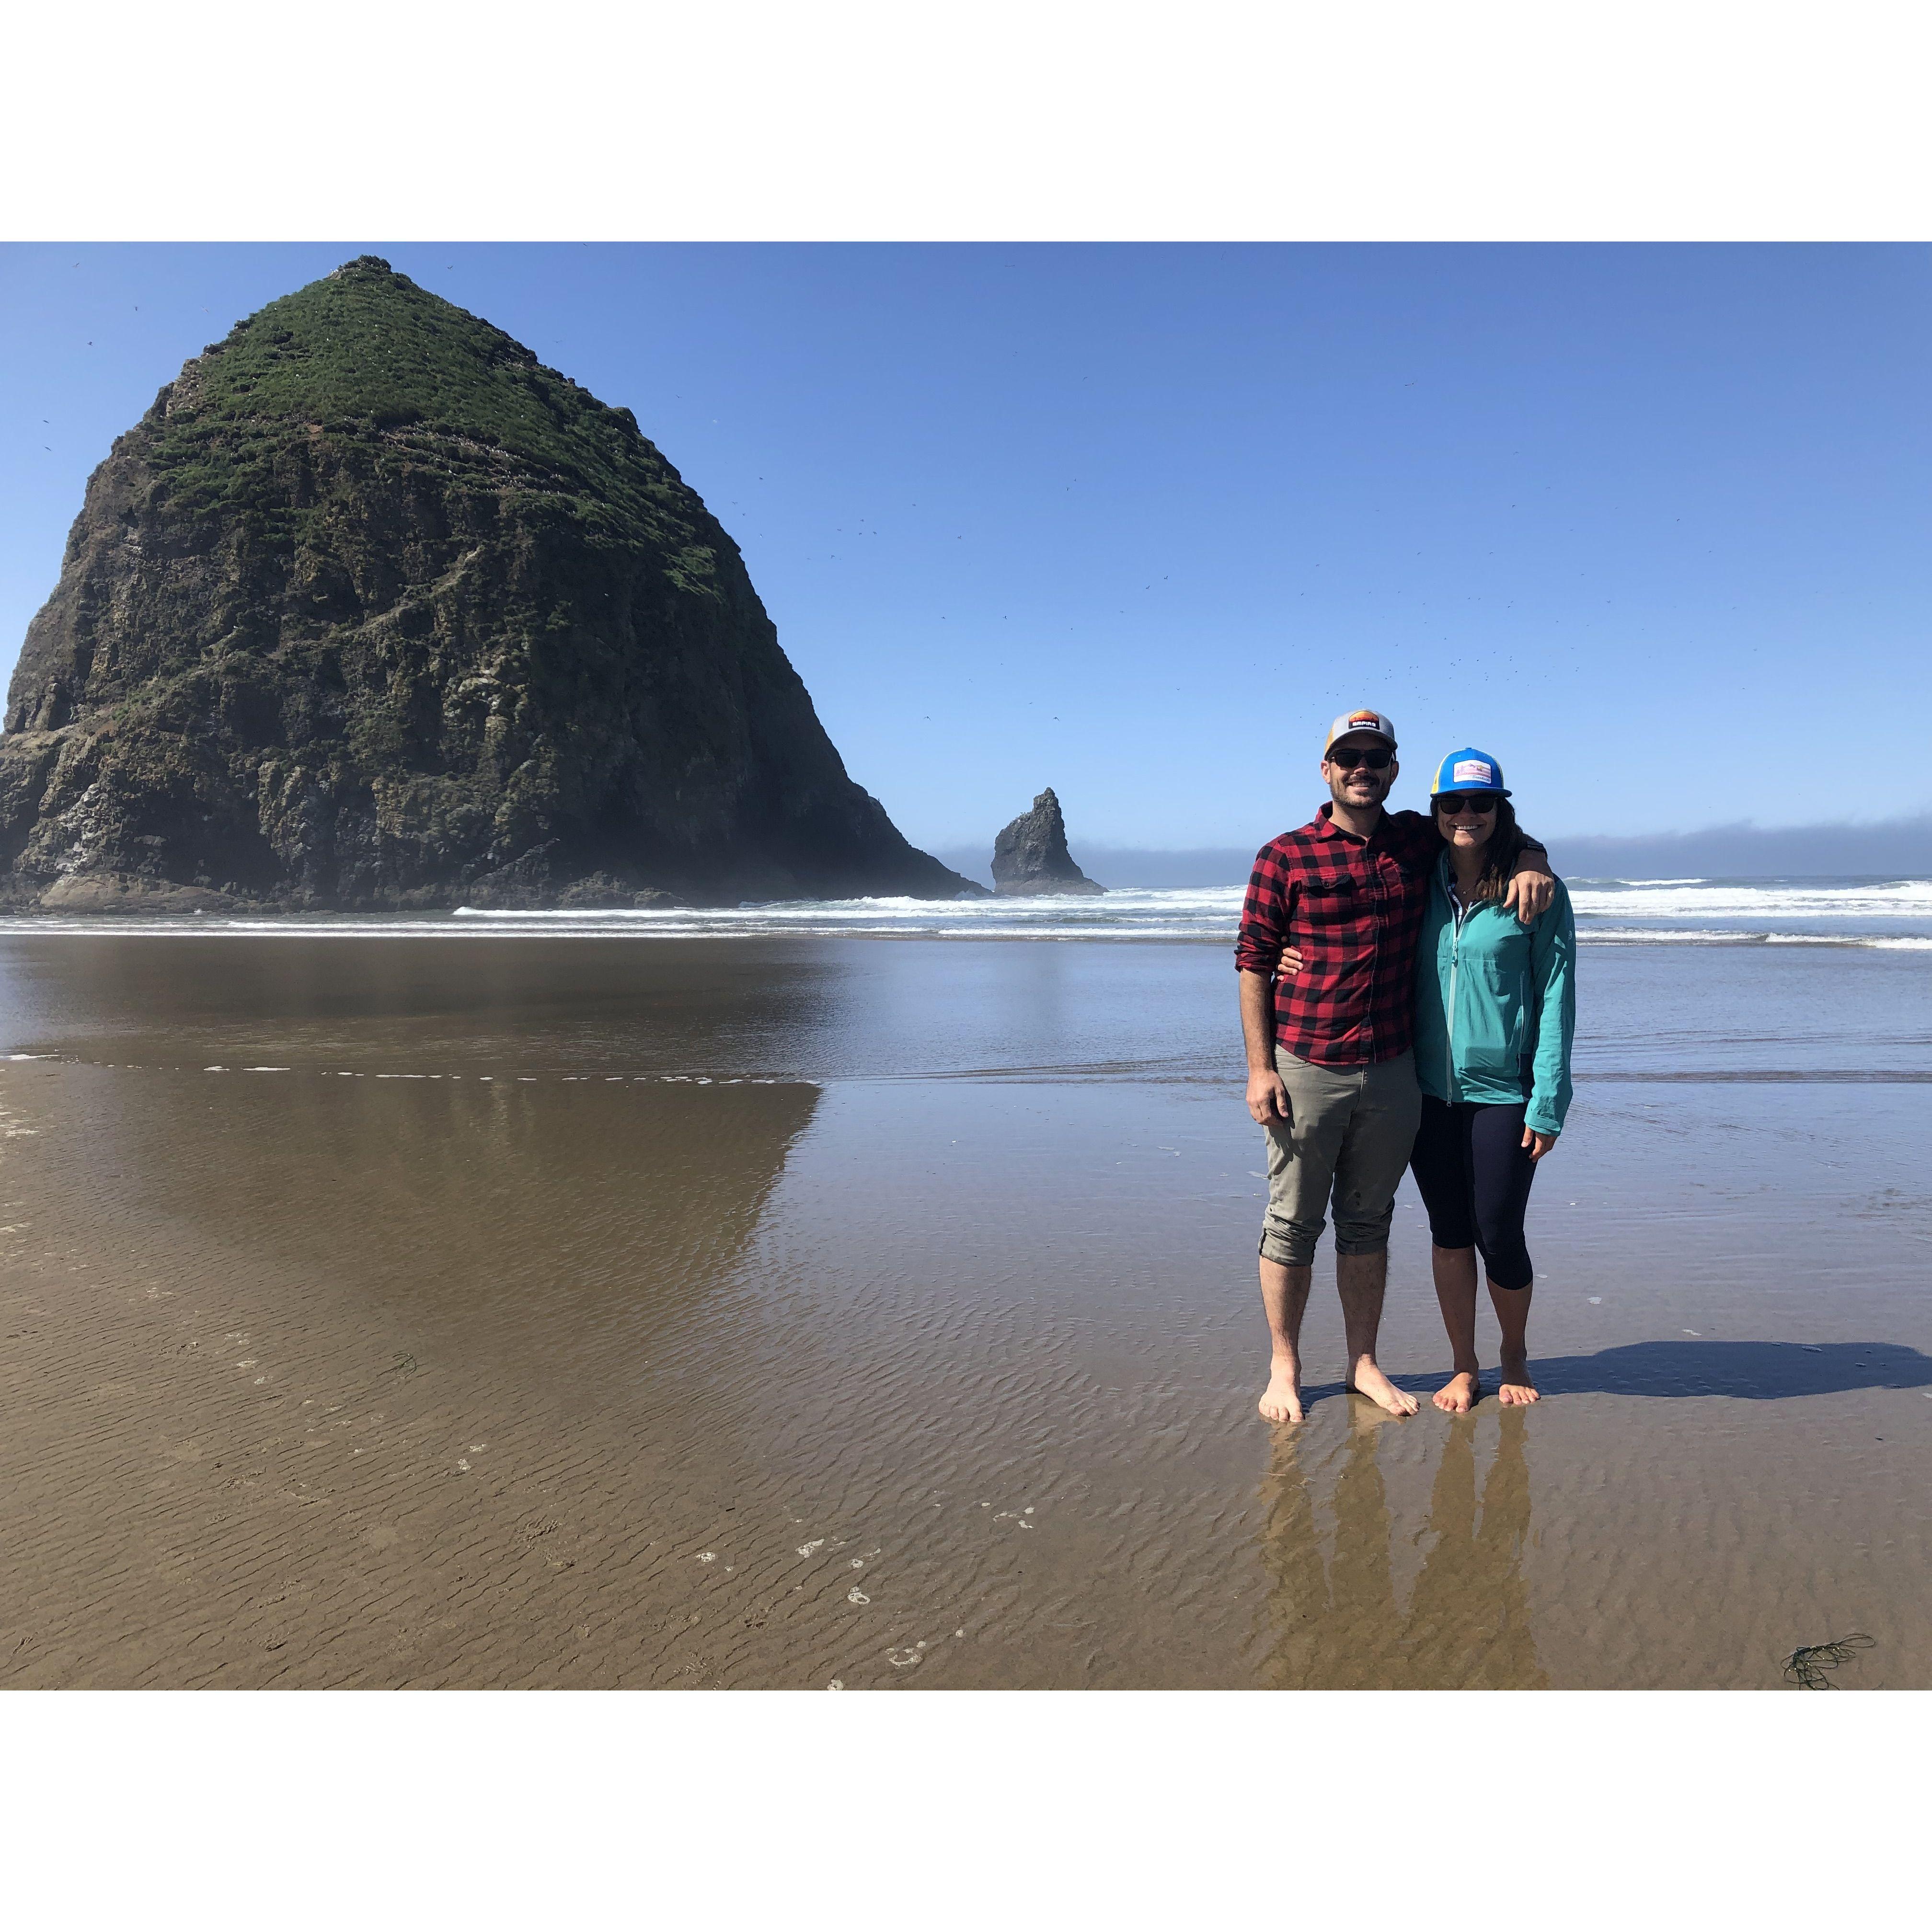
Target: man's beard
column 1341, row 797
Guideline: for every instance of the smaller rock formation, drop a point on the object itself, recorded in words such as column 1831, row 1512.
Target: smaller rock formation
column 1030, row 857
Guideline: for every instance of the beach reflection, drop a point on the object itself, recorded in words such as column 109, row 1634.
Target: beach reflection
column 553, row 1234
column 1339, row 1625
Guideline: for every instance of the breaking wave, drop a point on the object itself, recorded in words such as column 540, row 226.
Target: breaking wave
column 1885, row 914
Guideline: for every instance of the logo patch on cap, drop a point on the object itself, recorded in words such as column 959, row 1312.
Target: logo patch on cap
column 1365, row 720
column 1473, row 771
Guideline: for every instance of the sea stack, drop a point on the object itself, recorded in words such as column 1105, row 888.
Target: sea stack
column 1030, row 857
column 371, row 609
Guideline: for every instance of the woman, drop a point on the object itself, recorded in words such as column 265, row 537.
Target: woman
column 1495, row 1014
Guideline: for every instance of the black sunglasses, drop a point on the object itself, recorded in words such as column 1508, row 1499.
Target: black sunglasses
column 1449, row 803
column 1376, row 757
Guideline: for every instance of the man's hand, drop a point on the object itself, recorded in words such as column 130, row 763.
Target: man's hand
column 1290, row 961
column 1267, row 1098
column 1538, row 1145
column 1531, row 887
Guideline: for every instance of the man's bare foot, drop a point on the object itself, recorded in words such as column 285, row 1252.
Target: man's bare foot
column 1517, row 1390
column 1281, row 1401
column 1365, row 1379
column 1459, row 1393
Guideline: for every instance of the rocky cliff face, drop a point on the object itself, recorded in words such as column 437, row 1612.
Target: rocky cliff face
column 1030, row 857
column 372, row 610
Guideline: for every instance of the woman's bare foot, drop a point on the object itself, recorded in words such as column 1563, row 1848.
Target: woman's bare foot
column 1517, row 1390
column 1365, row 1379
column 1281, row 1401
column 1459, row 1393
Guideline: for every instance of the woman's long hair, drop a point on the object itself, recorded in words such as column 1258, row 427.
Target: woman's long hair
column 1506, row 846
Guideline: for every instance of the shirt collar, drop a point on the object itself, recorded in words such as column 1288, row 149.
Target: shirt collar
column 1323, row 826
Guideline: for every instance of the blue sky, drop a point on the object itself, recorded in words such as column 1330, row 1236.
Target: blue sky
column 1649, row 523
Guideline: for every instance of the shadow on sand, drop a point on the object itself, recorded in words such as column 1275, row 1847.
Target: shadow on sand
column 1757, row 1371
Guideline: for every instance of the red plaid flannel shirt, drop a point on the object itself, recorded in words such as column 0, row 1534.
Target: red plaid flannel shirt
column 1352, row 908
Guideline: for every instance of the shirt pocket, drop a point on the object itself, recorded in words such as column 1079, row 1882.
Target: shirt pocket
column 1329, row 895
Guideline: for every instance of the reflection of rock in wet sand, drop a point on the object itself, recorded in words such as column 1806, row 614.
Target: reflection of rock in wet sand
column 418, row 1382
column 549, row 1231
column 1338, row 1625
column 567, row 1005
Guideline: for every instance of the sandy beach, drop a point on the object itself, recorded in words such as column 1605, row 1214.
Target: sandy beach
column 591, row 1313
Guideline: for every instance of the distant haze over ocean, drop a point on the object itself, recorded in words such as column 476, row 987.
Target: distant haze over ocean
column 1897, row 847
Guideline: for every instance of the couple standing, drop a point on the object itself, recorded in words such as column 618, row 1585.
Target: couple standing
column 1407, row 1000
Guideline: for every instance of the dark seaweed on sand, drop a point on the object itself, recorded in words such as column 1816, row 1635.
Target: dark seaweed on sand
column 1807, row 1664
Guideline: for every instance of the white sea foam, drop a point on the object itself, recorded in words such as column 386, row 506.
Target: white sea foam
column 1195, row 913
column 1888, row 914
column 1210, row 914
column 1881, row 942
column 1678, row 935
column 1670, row 898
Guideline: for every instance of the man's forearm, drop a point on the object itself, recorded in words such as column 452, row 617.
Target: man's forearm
column 1258, row 1021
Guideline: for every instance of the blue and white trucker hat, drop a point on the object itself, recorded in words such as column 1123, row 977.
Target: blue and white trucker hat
column 1469, row 770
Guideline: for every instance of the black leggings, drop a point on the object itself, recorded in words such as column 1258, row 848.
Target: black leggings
column 1474, row 1173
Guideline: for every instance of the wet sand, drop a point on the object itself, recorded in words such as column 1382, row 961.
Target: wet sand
column 599, row 1313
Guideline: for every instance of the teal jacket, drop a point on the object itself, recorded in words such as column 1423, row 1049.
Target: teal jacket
column 1496, row 1004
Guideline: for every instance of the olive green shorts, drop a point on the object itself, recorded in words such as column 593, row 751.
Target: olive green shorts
column 1348, row 1135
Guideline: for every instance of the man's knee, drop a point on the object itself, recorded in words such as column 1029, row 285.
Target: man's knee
column 1290, row 1243
column 1365, row 1209
column 1363, row 1236
column 1365, row 1190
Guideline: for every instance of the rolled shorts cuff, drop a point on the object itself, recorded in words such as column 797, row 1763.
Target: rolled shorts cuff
column 1361, row 1244
column 1290, row 1246
column 1364, row 1237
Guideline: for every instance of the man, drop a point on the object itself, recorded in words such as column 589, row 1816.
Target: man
column 1331, row 1071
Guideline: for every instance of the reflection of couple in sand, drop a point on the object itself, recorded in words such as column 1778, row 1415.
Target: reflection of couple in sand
column 1467, row 1623
column 1407, row 1001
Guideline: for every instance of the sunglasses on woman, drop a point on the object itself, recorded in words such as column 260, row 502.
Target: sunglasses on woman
column 1376, row 757
column 1451, row 804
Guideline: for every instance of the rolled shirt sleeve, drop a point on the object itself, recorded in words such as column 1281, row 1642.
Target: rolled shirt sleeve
column 1265, row 913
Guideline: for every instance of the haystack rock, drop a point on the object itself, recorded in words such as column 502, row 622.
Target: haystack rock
column 373, row 609
column 1030, row 857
